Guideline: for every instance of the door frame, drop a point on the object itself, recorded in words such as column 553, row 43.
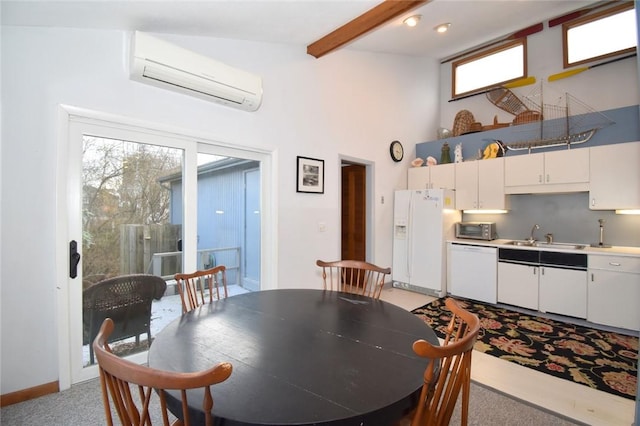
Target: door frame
column 68, row 199
column 369, row 201
column 247, row 283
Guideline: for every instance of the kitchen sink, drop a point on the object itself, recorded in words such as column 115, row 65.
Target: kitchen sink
column 559, row 245
column 522, row 243
column 542, row 244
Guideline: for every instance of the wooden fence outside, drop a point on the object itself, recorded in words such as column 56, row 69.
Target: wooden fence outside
column 138, row 244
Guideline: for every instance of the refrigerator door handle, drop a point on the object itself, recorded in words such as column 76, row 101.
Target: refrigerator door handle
column 409, row 240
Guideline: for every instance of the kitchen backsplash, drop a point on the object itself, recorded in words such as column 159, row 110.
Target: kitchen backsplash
column 566, row 216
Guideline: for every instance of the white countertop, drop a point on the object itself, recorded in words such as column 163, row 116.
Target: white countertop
column 504, row 243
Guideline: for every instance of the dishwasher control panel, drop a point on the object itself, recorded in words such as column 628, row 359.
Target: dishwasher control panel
column 530, row 257
column 563, row 259
column 554, row 259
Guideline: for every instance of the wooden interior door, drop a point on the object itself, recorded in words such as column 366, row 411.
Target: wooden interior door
column 354, row 212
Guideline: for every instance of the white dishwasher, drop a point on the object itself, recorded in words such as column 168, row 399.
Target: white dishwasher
column 473, row 272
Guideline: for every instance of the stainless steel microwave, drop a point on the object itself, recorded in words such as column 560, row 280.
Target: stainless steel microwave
column 477, row 230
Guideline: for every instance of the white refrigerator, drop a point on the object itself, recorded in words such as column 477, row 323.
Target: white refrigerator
column 423, row 220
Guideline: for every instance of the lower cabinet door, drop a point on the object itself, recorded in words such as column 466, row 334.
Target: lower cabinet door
column 563, row 291
column 613, row 299
column 518, row 285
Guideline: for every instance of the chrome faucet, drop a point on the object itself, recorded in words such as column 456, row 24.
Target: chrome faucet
column 531, row 238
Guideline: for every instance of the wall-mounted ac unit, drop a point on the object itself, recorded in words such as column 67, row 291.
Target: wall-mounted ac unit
column 162, row 64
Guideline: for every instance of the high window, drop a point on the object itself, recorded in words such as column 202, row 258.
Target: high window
column 490, row 67
column 608, row 33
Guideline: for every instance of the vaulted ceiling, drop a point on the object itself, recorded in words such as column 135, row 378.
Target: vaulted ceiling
column 299, row 22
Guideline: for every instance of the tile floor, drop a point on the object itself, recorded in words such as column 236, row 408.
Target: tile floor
column 575, row 401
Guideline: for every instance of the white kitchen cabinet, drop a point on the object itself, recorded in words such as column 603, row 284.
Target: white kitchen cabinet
column 518, row 285
column 566, row 167
column 614, row 291
column 524, row 170
column 563, row 291
column 547, row 281
column 479, row 185
column 615, row 177
column 545, row 289
column 548, row 172
column 418, row 178
column 432, row 177
column 443, row 176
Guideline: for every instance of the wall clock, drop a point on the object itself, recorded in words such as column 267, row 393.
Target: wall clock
column 397, row 151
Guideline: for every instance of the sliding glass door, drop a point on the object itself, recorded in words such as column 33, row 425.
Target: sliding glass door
column 141, row 201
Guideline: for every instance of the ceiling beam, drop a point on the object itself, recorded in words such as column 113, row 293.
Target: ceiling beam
column 364, row 23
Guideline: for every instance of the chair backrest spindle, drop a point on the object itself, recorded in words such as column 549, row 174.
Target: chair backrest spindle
column 448, row 371
column 118, row 376
column 354, row 276
column 193, row 287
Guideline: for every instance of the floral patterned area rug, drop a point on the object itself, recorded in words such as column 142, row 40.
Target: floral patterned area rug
column 602, row 360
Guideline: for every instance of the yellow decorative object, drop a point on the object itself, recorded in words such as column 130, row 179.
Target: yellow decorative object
column 494, row 150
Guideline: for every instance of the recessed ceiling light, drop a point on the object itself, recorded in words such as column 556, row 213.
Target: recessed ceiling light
column 412, row 21
column 443, row 28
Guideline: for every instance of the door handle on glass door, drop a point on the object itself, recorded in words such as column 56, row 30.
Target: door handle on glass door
column 74, row 259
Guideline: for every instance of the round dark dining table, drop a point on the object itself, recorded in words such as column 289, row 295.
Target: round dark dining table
column 300, row 357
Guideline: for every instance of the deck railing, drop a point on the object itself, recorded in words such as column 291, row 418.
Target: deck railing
column 207, row 258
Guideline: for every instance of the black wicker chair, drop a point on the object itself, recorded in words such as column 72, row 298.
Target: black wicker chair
column 126, row 300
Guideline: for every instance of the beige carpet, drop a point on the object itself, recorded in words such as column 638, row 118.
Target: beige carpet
column 82, row 405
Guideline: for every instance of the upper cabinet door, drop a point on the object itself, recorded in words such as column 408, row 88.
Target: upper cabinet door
column 432, row 177
column 523, row 170
column 491, row 184
column 615, row 177
column 467, row 185
column 418, row 178
column 548, row 172
column 443, row 176
column 570, row 166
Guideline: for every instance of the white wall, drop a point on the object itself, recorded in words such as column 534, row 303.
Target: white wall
column 347, row 103
column 609, row 86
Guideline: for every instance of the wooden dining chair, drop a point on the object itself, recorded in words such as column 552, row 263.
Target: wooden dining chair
column 196, row 287
column 448, row 371
column 130, row 386
column 354, row 276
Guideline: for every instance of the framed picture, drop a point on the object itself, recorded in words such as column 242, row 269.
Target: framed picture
column 310, row 175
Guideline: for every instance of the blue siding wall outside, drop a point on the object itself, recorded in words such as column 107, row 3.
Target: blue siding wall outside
column 221, row 201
